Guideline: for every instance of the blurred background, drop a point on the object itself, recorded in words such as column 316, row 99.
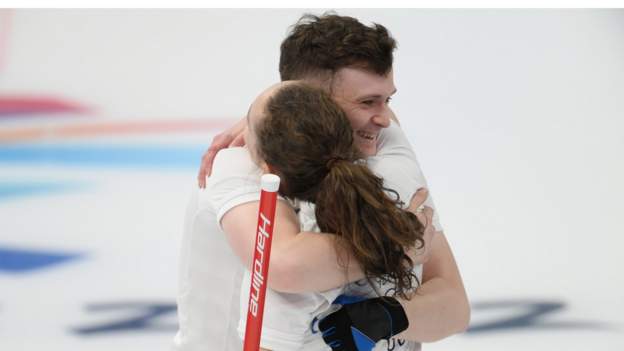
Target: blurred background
column 517, row 117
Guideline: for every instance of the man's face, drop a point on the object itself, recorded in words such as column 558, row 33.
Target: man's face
column 364, row 96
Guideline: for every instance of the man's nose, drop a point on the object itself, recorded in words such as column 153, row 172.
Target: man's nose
column 382, row 119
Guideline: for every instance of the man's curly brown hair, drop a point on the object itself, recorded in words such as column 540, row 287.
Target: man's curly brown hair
column 319, row 45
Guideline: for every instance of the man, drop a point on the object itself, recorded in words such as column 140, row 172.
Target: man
column 354, row 63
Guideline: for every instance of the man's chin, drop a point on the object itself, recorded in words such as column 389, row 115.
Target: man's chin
column 368, row 150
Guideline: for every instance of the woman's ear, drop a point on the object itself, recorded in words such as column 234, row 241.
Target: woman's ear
column 266, row 168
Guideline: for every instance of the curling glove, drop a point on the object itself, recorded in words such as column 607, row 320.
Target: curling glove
column 359, row 324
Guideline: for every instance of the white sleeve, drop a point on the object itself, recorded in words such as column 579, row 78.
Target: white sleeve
column 397, row 164
column 235, row 180
column 287, row 317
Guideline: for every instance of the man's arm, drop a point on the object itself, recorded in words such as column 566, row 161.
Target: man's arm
column 229, row 138
column 440, row 307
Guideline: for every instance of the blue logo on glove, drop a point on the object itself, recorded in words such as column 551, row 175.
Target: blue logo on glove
column 362, row 342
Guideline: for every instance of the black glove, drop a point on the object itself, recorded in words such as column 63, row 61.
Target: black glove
column 357, row 326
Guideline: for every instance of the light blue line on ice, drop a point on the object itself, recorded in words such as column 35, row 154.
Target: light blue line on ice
column 129, row 156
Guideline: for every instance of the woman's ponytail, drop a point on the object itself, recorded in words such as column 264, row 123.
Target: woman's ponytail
column 351, row 201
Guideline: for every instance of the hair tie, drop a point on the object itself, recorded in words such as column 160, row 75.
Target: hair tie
column 332, row 160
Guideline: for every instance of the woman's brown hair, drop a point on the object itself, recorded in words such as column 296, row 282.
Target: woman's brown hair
column 307, row 140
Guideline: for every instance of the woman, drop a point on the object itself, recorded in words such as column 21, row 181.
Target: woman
column 300, row 134
column 323, row 167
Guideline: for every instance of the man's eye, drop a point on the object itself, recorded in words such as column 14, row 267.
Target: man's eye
column 368, row 102
column 388, row 99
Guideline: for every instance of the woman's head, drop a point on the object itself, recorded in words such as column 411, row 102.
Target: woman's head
column 302, row 135
column 300, row 132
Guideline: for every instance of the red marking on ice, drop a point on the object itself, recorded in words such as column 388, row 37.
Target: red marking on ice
column 28, row 105
column 21, row 134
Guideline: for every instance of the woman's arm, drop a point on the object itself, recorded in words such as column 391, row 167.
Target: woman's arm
column 300, row 262
column 303, row 261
